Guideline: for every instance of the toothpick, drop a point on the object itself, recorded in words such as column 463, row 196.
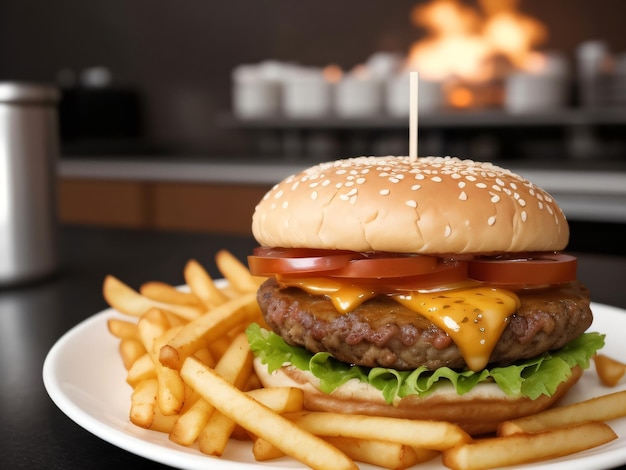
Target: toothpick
column 413, row 101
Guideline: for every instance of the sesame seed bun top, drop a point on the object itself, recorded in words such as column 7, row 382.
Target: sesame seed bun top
column 429, row 205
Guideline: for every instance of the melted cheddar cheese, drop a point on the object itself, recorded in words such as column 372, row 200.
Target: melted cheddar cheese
column 473, row 316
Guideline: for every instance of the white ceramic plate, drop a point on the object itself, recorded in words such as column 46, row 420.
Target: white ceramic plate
column 85, row 378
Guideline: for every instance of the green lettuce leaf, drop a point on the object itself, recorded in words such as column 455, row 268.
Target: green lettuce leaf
column 530, row 378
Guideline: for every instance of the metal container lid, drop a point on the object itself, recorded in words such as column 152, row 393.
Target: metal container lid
column 27, row 92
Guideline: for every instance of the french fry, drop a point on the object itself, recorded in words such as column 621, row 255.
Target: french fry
column 279, row 399
column 235, row 366
column 609, row 370
column 171, row 393
column 154, row 331
column 216, row 433
column 152, row 325
column 263, row 450
column 602, row 408
column 122, row 329
column 127, row 300
column 166, row 293
column 189, row 425
column 163, row 423
column 437, row 435
column 524, row 448
column 260, row 420
column 142, row 369
column 143, row 403
column 237, row 274
column 205, row 356
column 385, row 454
column 218, row 346
column 131, row 349
column 198, row 333
column 214, row 436
column 202, row 285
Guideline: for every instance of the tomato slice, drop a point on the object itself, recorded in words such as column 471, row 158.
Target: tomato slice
column 381, row 266
column 527, row 270
column 346, row 264
column 270, row 261
column 445, row 274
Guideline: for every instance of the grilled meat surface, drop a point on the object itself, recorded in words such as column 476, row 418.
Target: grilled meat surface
column 381, row 332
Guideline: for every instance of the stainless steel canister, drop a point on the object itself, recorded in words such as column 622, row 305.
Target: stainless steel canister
column 28, row 165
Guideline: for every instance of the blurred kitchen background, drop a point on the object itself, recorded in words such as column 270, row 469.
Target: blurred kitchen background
column 180, row 115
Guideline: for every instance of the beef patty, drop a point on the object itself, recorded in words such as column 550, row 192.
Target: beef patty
column 381, row 332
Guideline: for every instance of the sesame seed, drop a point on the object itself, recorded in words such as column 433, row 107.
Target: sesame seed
column 278, row 194
column 521, row 202
column 411, row 203
column 524, row 216
column 461, row 184
column 384, row 192
column 436, row 179
column 495, row 198
column 314, row 195
column 481, row 185
column 415, row 187
column 285, row 204
column 491, row 220
column 463, row 196
column 448, row 231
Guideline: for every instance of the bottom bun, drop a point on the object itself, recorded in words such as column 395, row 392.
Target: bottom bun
column 477, row 412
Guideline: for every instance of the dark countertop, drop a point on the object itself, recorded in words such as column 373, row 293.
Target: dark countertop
column 35, row 433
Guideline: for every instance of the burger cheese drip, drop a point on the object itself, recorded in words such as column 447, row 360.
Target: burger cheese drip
column 473, row 317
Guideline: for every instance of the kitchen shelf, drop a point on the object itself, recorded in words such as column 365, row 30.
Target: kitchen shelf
column 448, row 119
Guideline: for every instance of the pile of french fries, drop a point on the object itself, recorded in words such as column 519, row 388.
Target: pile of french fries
column 190, row 368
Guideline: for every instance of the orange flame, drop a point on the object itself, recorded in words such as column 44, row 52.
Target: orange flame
column 467, row 44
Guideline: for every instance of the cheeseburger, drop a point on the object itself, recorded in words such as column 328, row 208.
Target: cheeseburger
column 429, row 288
